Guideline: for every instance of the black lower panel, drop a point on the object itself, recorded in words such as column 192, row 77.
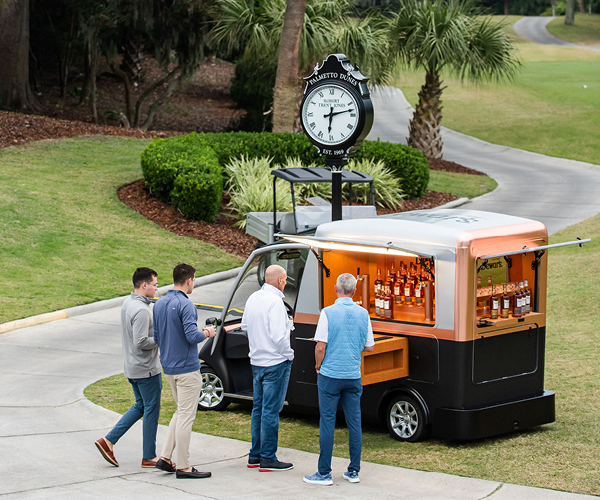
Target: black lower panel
column 493, row 420
column 506, row 355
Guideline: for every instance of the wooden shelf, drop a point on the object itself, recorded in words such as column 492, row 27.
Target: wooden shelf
column 388, row 361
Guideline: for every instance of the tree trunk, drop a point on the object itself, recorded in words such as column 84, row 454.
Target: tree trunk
column 425, row 126
column 15, row 92
column 570, row 13
column 581, row 7
column 506, row 7
column 285, row 93
column 553, row 3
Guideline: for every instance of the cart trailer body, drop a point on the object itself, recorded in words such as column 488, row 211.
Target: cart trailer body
column 442, row 364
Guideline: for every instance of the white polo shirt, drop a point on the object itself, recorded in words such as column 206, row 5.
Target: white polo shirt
column 266, row 321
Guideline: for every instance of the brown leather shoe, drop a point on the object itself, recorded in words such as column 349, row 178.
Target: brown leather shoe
column 107, row 453
column 149, row 464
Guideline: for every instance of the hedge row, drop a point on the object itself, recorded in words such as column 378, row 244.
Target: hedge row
column 187, row 170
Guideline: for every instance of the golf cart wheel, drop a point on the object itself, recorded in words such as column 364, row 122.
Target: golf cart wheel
column 406, row 419
column 212, row 395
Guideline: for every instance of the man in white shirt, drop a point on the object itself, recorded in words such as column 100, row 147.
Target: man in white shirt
column 266, row 321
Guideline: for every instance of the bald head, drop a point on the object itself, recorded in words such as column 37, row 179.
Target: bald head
column 275, row 275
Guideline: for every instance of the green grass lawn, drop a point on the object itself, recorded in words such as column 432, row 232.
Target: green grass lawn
column 546, row 109
column 585, row 32
column 461, row 185
column 66, row 237
column 564, row 455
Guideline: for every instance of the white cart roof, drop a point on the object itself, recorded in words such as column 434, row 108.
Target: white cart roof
column 425, row 229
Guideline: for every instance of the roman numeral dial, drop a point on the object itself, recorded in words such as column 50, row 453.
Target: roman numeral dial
column 330, row 114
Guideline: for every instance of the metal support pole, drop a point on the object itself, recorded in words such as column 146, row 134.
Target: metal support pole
column 336, row 195
column 336, row 165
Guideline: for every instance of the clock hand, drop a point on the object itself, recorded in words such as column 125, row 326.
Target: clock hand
column 330, row 115
column 345, row 111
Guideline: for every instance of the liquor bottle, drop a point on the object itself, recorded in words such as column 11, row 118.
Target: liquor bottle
column 409, row 292
column 390, row 282
column 393, row 271
column 398, row 290
column 358, row 293
column 419, row 294
column 527, row 297
column 388, row 303
column 517, row 302
column 378, row 283
column 505, row 302
column 495, row 303
column 377, row 304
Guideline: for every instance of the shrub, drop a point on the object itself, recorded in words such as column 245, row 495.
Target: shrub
column 185, row 171
column 167, row 166
column 408, row 164
column 387, row 187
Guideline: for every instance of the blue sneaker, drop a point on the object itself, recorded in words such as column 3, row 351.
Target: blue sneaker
column 317, row 478
column 352, row 476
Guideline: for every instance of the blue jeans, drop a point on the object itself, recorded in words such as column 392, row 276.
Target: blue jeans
column 147, row 404
column 270, row 386
column 347, row 392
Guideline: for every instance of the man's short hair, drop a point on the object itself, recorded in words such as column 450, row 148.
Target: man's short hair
column 182, row 273
column 346, row 283
column 143, row 275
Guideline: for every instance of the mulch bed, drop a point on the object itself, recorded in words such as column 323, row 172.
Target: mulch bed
column 17, row 128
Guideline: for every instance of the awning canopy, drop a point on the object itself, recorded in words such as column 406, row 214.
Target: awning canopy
column 353, row 245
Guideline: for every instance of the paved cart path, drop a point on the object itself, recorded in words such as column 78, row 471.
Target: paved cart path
column 555, row 191
column 534, row 28
column 48, row 429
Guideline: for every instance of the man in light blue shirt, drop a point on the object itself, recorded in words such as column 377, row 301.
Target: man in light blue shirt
column 344, row 331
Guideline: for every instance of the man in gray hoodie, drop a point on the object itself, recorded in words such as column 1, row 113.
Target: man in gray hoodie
column 142, row 369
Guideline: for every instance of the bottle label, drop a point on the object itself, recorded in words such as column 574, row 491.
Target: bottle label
column 386, row 305
column 495, row 303
column 505, row 303
column 396, row 289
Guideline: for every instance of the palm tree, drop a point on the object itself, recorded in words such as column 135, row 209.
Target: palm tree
column 254, row 34
column 435, row 35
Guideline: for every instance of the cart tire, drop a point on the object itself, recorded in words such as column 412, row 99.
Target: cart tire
column 406, row 419
column 212, row 395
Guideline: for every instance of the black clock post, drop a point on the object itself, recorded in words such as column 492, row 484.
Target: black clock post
column 336, row 115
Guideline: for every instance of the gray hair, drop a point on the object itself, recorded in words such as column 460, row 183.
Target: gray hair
column 346, row 283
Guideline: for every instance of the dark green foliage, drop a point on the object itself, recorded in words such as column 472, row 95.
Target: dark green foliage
column 279, row 147
column 197, row 192
column 187, row 170
column 252, row 90
column 409, row 164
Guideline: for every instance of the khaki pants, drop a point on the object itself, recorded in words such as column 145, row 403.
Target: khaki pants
column 186, row 391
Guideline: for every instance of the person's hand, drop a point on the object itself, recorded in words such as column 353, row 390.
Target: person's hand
column 210, row 331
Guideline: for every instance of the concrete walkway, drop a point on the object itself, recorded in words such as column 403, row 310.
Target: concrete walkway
column 48, row 429
column 555, row 191
column 534, row 28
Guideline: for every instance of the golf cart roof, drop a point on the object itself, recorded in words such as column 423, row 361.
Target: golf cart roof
column 318, row 174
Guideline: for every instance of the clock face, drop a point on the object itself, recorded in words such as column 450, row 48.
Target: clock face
column 330, row 114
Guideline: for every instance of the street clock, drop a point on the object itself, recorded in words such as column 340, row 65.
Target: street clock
column 336, row 110
column 336, row 114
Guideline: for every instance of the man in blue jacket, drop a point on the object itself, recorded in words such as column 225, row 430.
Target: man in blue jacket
column 177, row 336
column 344, row 331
